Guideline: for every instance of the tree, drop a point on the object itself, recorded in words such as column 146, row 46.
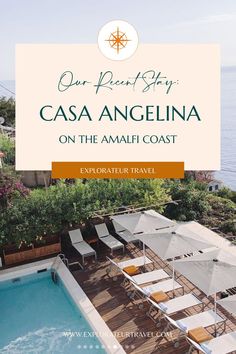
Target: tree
column 46, row 212
column 200, row 176
column 10, row 189
column 192, row 202
column 109, row 195
column 7, row 110
column 222, row 213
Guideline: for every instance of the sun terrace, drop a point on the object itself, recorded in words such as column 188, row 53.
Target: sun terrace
column 150, row 322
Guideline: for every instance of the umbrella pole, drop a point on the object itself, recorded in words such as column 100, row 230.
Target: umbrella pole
column 173, row 275
column 144, row 255
column 215, row 312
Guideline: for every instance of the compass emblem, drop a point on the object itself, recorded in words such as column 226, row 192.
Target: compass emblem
column 117, row 40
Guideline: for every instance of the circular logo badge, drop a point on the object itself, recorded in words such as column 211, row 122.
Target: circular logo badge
column 118, row 40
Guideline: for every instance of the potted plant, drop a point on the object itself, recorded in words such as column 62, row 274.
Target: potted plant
column 41, row 247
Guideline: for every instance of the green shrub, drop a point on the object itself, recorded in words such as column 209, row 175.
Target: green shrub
column 221, row 214
column 27, row 216
column 7, row 145
column 111, row 194
column 227, row 193
column 45, row 212
column 228, row 226
column 191, row 204
column 221, row 206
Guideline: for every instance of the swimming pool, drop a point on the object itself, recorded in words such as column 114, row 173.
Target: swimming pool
column 39, row 316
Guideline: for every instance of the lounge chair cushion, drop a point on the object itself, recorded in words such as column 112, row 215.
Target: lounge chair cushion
column 131, row 270
column 199, row 335
column 182, row 326
column 163, row 307
column 159, row 296
column 206, row 349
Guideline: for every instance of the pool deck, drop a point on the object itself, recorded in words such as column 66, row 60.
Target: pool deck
column 123, row 316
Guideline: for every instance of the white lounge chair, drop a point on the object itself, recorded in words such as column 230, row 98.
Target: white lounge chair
column 84, row 249
column 150, row 277
column 109, row 240
column 146, row 277
column 144, row 293
column 125, row 234
column 142, row 278
column 171, row 306
column 138, row 262
column 165, row 285
column 203, row 319
column 223, row 344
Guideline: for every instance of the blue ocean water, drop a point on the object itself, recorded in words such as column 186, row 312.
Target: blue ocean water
column 36, row 317
column 228, row 127
column 228, row 124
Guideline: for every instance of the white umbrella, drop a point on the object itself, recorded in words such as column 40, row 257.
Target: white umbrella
column 229, row 303
column 207, row 234
column 173, row 242
column 140, row 222
column 144, row 221
column 211, row 272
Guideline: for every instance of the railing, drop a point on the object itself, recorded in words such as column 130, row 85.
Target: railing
column 126, row 209
column 59, row 258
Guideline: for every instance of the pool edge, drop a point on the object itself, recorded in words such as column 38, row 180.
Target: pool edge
column 98, row 325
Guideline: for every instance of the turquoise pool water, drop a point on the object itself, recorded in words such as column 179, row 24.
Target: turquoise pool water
column 38, row 316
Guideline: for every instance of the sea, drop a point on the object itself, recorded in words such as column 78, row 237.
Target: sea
column 228, row 128
column 228, row 123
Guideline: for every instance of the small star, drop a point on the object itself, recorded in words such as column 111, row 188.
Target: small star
column 118, row 40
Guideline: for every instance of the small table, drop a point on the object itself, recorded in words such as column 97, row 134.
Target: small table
column 93, row 240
